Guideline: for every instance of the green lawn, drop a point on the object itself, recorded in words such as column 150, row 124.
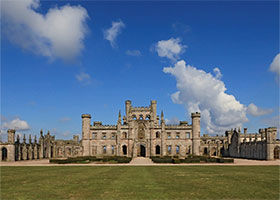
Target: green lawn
column 161, row 182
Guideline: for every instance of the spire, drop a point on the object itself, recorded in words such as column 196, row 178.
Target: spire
column 41, row 133
column 17, row 137
column 35, row 139
column 30, row 140
column 162, row 117
column 120, row 117
column 24, row 139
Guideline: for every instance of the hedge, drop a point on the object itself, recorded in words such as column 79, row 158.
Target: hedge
column 88, row 159
column 191, row 159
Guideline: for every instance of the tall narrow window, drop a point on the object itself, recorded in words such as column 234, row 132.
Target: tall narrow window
column 113, row 149
column 169, row 149
column 187, row 135
column 113, row 136
column 104, row 149
column 104, row 136
column 157, row 134
column 177, row 135
column 168, row 135
column 125, row 135
column 94, row 135
column 177, row 149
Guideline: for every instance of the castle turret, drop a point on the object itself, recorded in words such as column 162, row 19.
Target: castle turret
column 270, row 139
column 85, row 126
column 195, row 133
column 11, row 135
column 153, row 109
column 127, row 108
column 86, row 133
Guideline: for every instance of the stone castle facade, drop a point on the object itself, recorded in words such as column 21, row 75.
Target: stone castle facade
column 141, row 132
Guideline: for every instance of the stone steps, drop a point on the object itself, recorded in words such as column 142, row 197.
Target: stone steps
column 141, row 161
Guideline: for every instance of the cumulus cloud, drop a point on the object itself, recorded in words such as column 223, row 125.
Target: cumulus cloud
column 83, row 78
column 17, row 124
column 133, row 53
column 57, row 34
column 217, row 72
column 256, row 111
column 173, row 120
column 170, row 49
column 112, row 33
column 275, row 66
column 202, row 92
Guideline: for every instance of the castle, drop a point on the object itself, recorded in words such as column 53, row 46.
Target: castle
column 141, row 132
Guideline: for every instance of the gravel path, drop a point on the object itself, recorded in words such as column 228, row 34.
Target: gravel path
column 142, row 162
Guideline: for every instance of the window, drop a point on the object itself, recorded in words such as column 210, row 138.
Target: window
column 177, row 135
column 187, row 135
column 134, row 117
column 94, row 135
column 113, row 149
column 157, row 135
column 104, row 149
column 113, row 135
column 141, row 117
column 177, row 149
column 104, row 136
column 147, row 117
column 168, row 135
column 124, row 135
column 169, row 149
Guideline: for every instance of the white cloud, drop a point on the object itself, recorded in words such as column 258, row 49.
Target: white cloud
column 255, row 111
column 202, row 92
column 64, row 119
column 112, row 33
column 170, row 48
column 17, row 124
column 217, row 72
column 275, row 65
column 57, row 34
column 173, row 120
column 133, row 53
column 83, row 78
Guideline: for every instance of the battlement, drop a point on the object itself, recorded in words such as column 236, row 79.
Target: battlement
column 196, row 114
column 86, row 116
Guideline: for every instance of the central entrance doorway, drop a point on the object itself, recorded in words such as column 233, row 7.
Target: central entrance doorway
column 4, row 154
column 142, row 151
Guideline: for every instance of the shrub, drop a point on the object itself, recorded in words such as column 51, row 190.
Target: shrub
column 190, row 160
column 225, row 160
column 87, row 159
column 162, row 159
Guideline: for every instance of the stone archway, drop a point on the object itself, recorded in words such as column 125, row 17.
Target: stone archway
column 205, row 151
column 4, row 153
column 157, row 149
column 277, row 152
column 124, row 149
column 142, row 150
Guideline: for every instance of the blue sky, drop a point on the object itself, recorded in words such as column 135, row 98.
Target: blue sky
column 50, row 92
